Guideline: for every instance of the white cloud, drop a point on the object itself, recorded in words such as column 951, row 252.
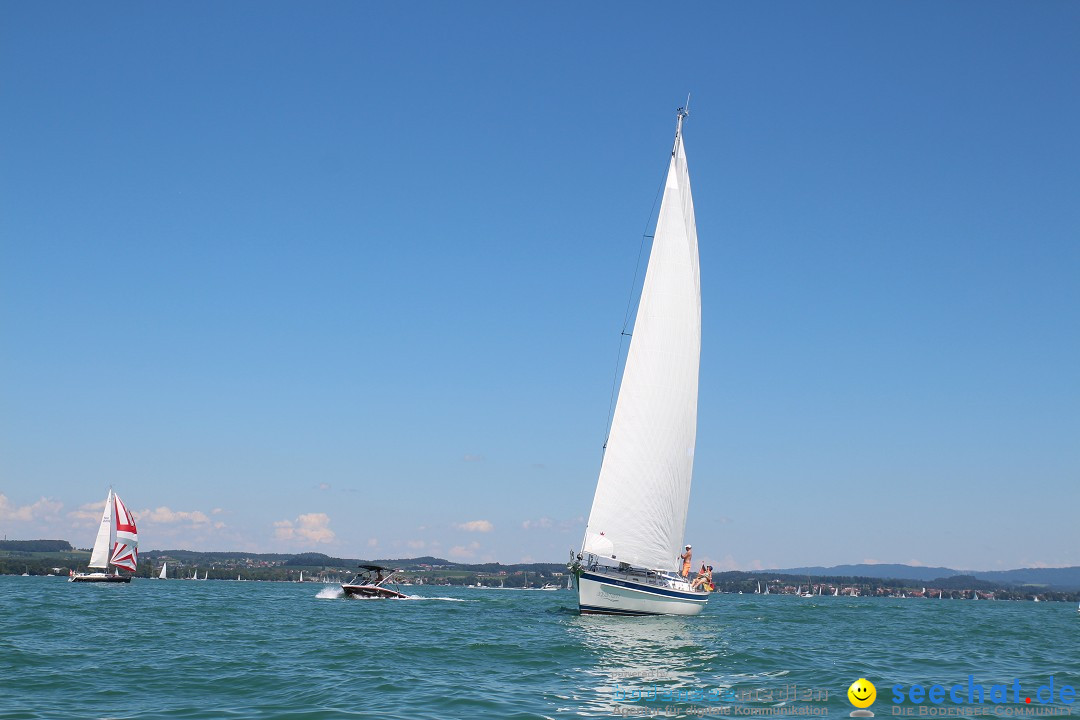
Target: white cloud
column 476, row 526
column 167, row 516
column 87, row 514
column 416, row 544
column 324, row 486
column 373, row 542
column 544, row 522
column 465, row 552
column 312, row 527
column 43, row 508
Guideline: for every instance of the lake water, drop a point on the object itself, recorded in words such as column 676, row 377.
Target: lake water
column 182, row 649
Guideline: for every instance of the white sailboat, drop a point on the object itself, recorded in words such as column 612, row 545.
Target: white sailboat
column 116, row 545
column 628, row 557
column 163, row 575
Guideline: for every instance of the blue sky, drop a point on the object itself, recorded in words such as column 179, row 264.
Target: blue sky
column 349, row 277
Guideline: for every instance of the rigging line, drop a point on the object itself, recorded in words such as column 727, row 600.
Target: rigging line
column 629, row 305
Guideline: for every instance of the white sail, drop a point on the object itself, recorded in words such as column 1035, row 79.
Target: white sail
column 163, row 574
column 103, row 544
column 639, row 511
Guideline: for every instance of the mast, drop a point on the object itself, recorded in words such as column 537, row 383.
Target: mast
column 639, row 510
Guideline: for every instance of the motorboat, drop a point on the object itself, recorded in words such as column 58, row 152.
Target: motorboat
column 371, row 582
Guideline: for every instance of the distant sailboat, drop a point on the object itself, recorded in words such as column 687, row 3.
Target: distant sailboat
column 116, row 545
column 627, row 561
column 206, row 574
column 163, row 575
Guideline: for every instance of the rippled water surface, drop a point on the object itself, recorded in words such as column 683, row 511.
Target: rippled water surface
column 182, row 649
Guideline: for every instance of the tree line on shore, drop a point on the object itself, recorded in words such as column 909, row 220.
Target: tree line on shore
column 56, row 557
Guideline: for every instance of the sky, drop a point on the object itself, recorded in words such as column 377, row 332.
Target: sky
column 349, row 277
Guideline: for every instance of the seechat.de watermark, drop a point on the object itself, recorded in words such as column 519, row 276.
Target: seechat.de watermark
column 966, row 698
column 972, row 693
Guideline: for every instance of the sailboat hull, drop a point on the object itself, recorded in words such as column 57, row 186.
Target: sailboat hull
column 101, row 577
column 615, row 593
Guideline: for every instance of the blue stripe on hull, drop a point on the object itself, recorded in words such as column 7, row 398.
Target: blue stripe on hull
column 593, row 610
column 651, row 589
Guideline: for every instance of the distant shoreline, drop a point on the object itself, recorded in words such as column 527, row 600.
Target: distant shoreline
column 44, row 557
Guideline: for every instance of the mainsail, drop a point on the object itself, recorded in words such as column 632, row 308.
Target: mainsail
column 103, row 544
column 639, row 511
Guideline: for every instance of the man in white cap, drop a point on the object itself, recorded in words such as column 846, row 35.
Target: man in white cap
column 685, row 557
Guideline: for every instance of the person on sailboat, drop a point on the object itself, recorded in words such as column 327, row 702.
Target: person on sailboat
column 685, row 557
column 703, row 579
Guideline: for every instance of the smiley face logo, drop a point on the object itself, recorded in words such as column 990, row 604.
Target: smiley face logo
column 862, row 693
